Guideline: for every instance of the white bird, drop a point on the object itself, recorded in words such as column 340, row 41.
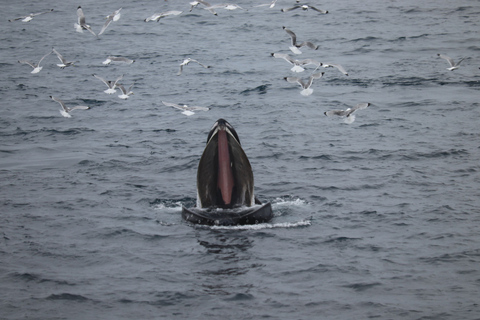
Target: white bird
column 110, row 84
column 36, row 66
column 111, row 17
column 295, row 46
column 30, row 16
column 297, row 64
column 453, row 65
column 348, row 113
column 65, row 111
column 64, row 63
column 305, row 85
column 187, row 61
column 304, row 7
column 339, row 67
column 125, row 92
column 158, row 16
column 117, row 59
column 271, row 4
column 194, row 4
column 227, row 6
column 186, row 110
column 82, row 25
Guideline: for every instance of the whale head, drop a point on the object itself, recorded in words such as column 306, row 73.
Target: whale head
column 224, row 176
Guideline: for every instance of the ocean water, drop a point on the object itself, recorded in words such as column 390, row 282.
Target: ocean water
column 374, row 219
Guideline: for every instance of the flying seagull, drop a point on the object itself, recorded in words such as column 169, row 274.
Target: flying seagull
column 304, row 7
column 270, row 5
column 64, row 63
column 194, row 4
column 305, row 85
column 82, row 25
column 117, row 59
column 187, row 61
column 347, row 113
column 125, row 92
column 36, row 66
column 295, row 46
column 111, row 17
column 453, row 65
column 186, row 110
column 297, row 64
column 110, row 84
column 339, row 67
column 158, row 16
column 30, row 16
column 65, row 111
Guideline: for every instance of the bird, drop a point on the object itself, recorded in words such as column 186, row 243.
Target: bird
column 453, row 65
column 64, row 63
column 65, row 111
column 29, row 17
column 187, row 61
column 227, row 6
column 347, row 113
column 304, row 7
column 110, row 84
column 297, row 64
column 125, row 92
column 158, row 16
column 111, row 17
column 339, row 67
column 295, row 46
column 36, row 66
column 208, row 6
column 186, row 110
column 305, row 85
column 117, row 59
column 82, row 25
column 270, row 5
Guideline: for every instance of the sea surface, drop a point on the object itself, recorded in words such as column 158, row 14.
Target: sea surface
column 374, row 219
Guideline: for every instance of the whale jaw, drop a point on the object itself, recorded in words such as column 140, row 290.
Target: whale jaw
column 224, row 176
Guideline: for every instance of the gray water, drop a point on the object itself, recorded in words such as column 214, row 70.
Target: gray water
column 374, row 219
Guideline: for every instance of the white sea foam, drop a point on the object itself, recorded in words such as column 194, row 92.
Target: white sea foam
column 260, row 226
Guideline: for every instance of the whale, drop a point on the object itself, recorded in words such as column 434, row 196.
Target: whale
column 225, row 183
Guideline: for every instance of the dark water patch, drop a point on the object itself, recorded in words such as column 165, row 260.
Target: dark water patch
column 240, row 297
column 68, row 296
column 362, row 286
column 261, row 89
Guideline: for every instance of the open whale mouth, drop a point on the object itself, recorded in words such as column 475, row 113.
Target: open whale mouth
column 224, row 176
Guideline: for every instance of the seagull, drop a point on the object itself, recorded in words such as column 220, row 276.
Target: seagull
column 304, row 7
column 36, row 66
column 297, row 64
column 111, row 17
column 29, row 17
column 339, row 67
column 65, row 111
column 305, row 85
column 452, row 64
column 295, row 47
column 64, row 63
column 194, row 4
column 110, row 84
column 348, row 113
column 82, row 25
column 188, row 111
column 117, row 59
column 271, row 4
column 158, row 16
column 227, row 6
column 187, row 61
column 125, row 93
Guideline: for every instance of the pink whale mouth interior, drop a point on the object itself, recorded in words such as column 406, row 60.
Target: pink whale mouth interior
column 225, row 180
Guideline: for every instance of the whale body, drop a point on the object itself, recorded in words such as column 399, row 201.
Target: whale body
column 225, row 183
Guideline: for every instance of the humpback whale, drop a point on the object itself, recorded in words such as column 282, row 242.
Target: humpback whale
column 225, row 184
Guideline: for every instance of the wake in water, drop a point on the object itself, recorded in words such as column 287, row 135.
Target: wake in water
column 282, row 207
